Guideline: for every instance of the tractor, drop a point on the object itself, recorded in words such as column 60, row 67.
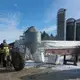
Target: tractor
column 15, row 59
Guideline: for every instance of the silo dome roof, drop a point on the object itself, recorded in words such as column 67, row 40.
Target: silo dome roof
column 78, row 21
column 31, row 29
column 70, row 20
column 61, row 10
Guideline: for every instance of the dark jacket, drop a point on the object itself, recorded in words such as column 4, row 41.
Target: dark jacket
column 3, row 45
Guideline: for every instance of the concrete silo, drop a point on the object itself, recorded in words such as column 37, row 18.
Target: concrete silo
column 78, row 30
column 71, row 29
column 61, row 24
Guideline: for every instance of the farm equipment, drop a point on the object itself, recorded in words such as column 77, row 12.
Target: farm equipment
column 14, row 59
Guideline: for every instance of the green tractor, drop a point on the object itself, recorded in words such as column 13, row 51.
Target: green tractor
column 15, row 59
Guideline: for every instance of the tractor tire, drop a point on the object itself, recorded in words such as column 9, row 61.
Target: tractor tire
column 17, row 61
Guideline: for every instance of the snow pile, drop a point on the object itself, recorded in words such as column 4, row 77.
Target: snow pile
column 65, row 67
column 38, row 56
column 28, row 54
column 31, row 64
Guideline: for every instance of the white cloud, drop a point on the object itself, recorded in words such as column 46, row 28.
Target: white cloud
column 51, row 29
column 8, row 27
column 72, row 6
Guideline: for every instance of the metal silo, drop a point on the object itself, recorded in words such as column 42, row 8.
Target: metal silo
column 61, row 24
column 70, row 29
column 78, row 30
column 32, row 39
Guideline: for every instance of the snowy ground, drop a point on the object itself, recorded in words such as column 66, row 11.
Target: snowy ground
column 32, row 64
column 41, row 71
column 56, row 72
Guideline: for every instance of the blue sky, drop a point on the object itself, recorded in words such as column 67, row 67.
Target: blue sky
column 17, row 15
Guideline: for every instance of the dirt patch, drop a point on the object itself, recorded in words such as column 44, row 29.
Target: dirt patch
column 13, row 75
column 40, row 74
